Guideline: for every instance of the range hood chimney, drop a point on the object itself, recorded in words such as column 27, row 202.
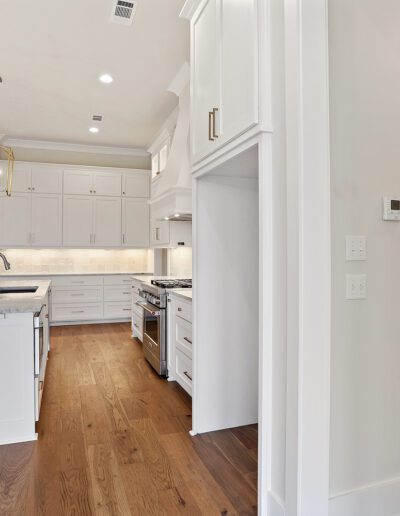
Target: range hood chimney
column 172, row 191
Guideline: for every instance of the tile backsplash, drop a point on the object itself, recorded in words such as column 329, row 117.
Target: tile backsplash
column 180, row 262
column 79, row 260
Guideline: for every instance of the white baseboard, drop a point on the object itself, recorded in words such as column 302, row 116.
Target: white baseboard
column 21, row 439
column 276, row 504
column 381, row 499
column 78, row 323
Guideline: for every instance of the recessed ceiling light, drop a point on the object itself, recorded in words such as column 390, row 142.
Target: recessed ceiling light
column 166, row 218
column 106, row 78
column 176, row 215
column 94, row 129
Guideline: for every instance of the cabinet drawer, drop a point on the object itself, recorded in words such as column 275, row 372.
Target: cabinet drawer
column 77, row 295
column 135, row 289
column 182, row 309
column 184, row 371
column 117, row 310
column 117, row 293
column 117, row 280
column 73, row 281
column 84, row 312
column 183, row 336
column 137, row 325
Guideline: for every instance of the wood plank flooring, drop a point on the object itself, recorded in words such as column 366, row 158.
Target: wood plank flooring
column 113, row 440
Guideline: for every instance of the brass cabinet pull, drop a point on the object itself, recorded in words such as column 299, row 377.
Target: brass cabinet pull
column 210, row 125
column 214, row 115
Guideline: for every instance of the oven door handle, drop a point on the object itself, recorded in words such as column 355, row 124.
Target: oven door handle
column 152, row 310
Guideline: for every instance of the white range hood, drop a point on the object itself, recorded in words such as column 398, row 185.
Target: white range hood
column 171, row 192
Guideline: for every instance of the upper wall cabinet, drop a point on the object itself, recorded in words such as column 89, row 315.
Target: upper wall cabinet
column 136, row 184
column 88, row 182
column 41, row 178
column 225, row 73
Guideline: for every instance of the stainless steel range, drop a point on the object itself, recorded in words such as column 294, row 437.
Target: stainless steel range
column 154, row 306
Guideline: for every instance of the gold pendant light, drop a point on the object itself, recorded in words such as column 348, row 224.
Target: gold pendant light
column 10, row 168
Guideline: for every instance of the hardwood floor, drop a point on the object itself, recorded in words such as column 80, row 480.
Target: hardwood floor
column 113, row 440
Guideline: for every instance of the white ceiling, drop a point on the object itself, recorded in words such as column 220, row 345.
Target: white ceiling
column 52, row 53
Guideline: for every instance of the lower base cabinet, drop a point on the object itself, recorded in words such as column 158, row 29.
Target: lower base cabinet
column 88, row 298
column 180, row 367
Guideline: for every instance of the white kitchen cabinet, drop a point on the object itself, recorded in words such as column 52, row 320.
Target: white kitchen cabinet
column 135, row 222
column 206, row 65
column 77, row 221
column 92, row 182
column 46, row 179
column 107, row 183
column 224, row 104
column 91, row 221
column 180, row 367
column 136, row 184
column 171, row 233
column 15, row 222
column 78, row 182
column 107, row 222
column 22, row 181
column 46, row 220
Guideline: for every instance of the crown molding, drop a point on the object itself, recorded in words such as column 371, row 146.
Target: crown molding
column 189, row 9
column 181, row 80
column 74, row 147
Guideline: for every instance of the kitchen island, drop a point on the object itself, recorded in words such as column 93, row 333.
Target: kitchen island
column 24, row 346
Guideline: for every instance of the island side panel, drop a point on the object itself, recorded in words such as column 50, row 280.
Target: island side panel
column 17, row 399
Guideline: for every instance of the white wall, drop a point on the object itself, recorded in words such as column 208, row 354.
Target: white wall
column 365, row 138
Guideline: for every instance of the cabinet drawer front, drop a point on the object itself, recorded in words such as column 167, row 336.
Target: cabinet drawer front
column 117, row 310
column 137, row 325
column 77, row 295
column 184, row 371
column 85, row 312
column 136, row 300
column 182, row 309
column 117, row 293
column 135, row 289
column 117, row 280
column 183, row 331
column 75, row 281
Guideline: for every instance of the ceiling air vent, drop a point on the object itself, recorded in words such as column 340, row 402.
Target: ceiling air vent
column 123, row 12
column 97, row 118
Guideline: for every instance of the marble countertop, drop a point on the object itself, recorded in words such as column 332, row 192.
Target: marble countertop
column 11, row 274
column 184, row 293
column 29, row 302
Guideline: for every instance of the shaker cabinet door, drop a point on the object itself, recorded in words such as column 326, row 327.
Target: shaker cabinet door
column 77, row 221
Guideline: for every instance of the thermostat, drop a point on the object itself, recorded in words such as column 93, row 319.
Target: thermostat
column 391, row 208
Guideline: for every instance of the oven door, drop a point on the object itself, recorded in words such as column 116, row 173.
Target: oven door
column 154, row 337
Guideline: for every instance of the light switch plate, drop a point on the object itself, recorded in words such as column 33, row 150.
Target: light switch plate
column 356, row 286
column 356, row 248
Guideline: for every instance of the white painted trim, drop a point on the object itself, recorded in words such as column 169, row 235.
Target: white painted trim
column 309, row 256
column 24, row 439
column 74, row 147
column 181, row 80
column 2, row 136
column 161, row 139
column 381, row 497
column 276, row 505
column 98, row 321
column 189, row 9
